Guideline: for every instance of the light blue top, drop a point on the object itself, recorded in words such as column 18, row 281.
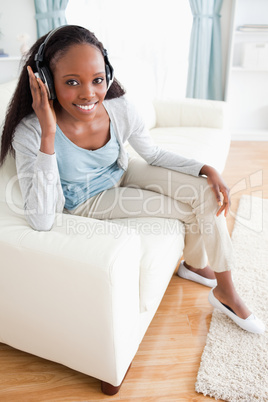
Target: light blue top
column 85, row 173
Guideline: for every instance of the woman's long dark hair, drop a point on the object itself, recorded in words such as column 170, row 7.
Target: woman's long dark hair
column 21, row 102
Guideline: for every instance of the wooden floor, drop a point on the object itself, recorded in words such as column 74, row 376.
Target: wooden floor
column 168, row 359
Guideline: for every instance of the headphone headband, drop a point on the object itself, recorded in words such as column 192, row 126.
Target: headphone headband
column 40, row 54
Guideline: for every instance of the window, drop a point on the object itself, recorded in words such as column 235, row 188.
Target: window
column 151, row 31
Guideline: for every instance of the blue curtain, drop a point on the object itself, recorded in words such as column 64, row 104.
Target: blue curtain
column 204, row 79
column 50, row 14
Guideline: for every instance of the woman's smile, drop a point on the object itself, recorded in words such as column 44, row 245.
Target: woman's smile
column 86, row 108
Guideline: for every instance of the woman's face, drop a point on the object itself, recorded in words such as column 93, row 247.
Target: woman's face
column 80, row 82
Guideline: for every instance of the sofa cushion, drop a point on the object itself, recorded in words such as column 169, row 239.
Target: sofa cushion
column 162, row 242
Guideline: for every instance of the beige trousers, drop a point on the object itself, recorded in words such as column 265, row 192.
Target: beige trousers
column 146, row 190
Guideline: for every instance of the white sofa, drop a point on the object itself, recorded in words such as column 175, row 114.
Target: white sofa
column 84, row 293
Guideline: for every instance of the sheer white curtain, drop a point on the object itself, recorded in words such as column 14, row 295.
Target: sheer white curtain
column 156, row 32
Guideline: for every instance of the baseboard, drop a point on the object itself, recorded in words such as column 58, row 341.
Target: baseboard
column 250, row 135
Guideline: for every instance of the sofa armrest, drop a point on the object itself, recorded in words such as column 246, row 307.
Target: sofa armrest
column 71, row 295
column 191, row 113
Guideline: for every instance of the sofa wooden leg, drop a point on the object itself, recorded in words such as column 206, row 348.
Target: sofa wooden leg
column 109, row 389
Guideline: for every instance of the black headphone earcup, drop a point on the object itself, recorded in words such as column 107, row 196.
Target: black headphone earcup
column 108, row 75
column 47, row 79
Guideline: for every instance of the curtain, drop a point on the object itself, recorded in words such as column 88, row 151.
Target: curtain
column 50, row 14
column 204, row 79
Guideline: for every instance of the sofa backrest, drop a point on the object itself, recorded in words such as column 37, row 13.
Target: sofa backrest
column 191, row 112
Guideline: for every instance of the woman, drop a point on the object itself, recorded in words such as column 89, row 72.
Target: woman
column 67, row 128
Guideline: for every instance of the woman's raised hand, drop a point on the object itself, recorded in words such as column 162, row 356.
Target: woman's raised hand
column 44, row 110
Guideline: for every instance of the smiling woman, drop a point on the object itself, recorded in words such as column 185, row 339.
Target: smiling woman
column 155, row 32
column 70, row 158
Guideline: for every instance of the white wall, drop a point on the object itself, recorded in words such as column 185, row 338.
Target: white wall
column 16, row 17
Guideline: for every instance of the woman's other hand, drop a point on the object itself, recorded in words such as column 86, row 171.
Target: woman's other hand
column 44, row 110
column 219, row 187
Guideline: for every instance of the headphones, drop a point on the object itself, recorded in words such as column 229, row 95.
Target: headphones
column 45, row 75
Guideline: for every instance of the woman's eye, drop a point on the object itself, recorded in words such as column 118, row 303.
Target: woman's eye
column 98, row 80
column 72, row 82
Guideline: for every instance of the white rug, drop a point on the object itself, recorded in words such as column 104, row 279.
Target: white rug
column 234, row 364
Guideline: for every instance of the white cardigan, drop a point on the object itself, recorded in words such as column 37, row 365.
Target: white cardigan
column 38, row 172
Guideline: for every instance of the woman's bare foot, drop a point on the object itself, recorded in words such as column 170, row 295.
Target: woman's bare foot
column 233, row 301
column 225, row 292
column 205, row 272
